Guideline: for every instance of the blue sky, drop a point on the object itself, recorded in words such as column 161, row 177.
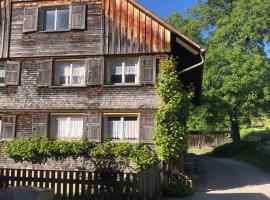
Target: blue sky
column 164, row 8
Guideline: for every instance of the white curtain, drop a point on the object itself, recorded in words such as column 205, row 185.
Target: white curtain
column 2, row 73
column 116, row 68
column 78, row 73
column 62, row 127
column 65, row 74
column 119, row 128
column 72, row 73
column 130, row 67
column 130, row 129
column 0, row 126
column 76, row 127
column 114, row 128
column 69, row 127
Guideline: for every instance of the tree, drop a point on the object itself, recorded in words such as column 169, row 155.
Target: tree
column 189, row 26
column 237, row 70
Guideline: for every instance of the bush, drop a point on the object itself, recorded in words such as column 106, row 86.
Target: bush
column 231, row 149
column 176, row 188
column 37, row 149
column 124, row 153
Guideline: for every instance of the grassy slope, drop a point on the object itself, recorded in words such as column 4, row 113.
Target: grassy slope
column 256, row 152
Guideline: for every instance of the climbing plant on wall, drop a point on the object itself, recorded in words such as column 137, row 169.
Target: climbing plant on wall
column 170, row 137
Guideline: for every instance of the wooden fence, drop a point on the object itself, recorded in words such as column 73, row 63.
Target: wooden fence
column 201, row 141
column 149, row 182
column 87, row 185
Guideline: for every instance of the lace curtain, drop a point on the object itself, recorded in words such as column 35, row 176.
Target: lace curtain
column 122, row 128
column 69, row 127
column 71, row 73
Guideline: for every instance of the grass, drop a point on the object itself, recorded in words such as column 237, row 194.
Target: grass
column 200, row 151
column 254, row 147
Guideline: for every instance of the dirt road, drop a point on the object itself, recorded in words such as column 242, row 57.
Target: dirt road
column 226, row 179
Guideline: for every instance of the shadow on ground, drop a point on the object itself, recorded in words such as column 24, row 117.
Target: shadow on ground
column 225, row 174
column 227, row 179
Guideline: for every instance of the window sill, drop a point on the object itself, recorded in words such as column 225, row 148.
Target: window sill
column 59, row 86
column 123, row 141
column 55, row 31
column 123, row 85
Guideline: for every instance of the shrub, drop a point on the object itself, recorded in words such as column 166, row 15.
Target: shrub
column 231, row 149
column 28, row 149
column 37, row 149
column 124, row 153
column 264, row 149
column 176, row 188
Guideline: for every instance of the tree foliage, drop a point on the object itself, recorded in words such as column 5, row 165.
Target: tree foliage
column 236, row 77
column 170, row 138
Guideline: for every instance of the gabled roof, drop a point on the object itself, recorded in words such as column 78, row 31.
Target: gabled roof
column 165, row 24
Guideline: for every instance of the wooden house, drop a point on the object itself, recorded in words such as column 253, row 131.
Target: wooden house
column 86, row 68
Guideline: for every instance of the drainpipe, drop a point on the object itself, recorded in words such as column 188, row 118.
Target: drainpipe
column 202, row 51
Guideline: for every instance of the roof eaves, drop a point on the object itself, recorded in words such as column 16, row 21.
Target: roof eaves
column 163, row 23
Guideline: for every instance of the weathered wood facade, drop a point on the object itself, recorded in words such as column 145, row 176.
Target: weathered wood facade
column 98, row 33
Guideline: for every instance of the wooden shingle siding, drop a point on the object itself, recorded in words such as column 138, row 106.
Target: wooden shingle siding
column 85, row 41
column 129, row 30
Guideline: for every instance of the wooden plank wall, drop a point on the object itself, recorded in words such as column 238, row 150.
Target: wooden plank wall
column 5, row 9
column 129, row 30
column 37, row 44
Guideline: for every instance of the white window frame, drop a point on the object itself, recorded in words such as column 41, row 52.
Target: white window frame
column 122, row 116
column 67, row 115
column 3, row 84
column 55, row 18
column 1, row 122
column 123, row 60
column 71, row 62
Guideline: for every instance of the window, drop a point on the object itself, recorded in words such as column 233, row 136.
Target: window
column 56, row 19
column 122, row 127
column 68, row 127
column 0, row 126
column 2, row 75
column 123, row 71
column 70, row 73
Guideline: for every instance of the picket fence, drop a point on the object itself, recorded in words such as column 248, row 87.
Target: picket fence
column 88, row 185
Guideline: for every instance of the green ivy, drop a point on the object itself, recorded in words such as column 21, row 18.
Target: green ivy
column 125, row 153
column 170, row 137
column 37, row 149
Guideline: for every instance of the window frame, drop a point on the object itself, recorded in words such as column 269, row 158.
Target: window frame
column 122, row 115
column 4, row 67
column 123, row 60
column 56, row 74
column 1, row 124
column 56, row 9
column 53, row 133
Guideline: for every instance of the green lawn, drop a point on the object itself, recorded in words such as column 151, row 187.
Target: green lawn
column 200, row 151
column 254, row 148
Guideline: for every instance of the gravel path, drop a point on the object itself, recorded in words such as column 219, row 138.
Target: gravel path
column 226, row 179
